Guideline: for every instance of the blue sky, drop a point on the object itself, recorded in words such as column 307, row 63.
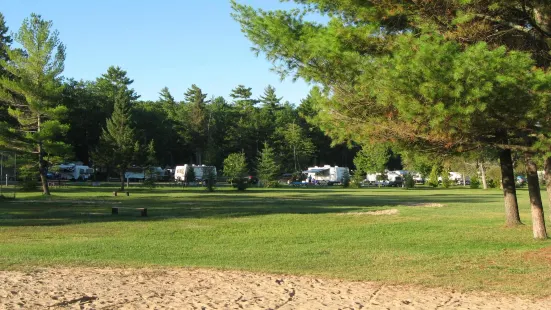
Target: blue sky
column 160, row 43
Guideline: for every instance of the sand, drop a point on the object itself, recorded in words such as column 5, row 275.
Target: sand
column 91, row 288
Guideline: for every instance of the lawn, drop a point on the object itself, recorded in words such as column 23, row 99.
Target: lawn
column 319, row 232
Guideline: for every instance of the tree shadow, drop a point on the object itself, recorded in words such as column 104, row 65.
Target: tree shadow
column 221, row 204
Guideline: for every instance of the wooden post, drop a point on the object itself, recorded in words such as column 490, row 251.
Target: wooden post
column 127, row 193
column 114, row 210
column 115, row 194
column 144, row 211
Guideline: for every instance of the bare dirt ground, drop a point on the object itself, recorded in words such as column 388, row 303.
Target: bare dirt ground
column 91, row 288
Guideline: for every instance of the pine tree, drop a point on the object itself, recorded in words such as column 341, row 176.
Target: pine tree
column 269, row 100
column 118, row 137
column 268, row 169
column 197, row 121
column 32, row 86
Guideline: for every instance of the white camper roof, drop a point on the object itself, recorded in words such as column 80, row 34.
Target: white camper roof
column 315, row 170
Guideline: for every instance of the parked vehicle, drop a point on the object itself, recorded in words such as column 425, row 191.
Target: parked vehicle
column 326, row 174
column 389, row 178
column 180, row 172
column 71, row 172
column 141, row 173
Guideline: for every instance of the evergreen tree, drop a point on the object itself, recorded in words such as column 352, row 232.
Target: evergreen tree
column 299, row 147
column 33, row 87
column 111, row 83
column 235, row 168
column 197, row 120
column 118, row 139
column 165, row 97
column 268, row 169
column 269, row 100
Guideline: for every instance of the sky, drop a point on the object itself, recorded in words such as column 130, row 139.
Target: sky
column 172, row 43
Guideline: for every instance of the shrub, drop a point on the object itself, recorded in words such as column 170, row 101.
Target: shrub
column 346, row 179
column 210, row 179
column 433, row 177
column 491, row 183
column 149, row 183
column 241, row 184
column 446, row 183
column 409, row 182
column 357, row 179
column 475, row 182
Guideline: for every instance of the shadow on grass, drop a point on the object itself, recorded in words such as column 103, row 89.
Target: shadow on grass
column 87, row 208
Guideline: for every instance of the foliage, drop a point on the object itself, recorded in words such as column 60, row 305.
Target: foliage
column 150, row 173
column 190, row 176
column 346, row 179
column 492, row 183
column 119, row 145
column 372, row 158
column 235, row 168
column 446, row 183
column 209, row 179
column 357, row 179
column 32, row 86
column 433, row 177
column 267, row 168
column 475, row 182
column 409, row 182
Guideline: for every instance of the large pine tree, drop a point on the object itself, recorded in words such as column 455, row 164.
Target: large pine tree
column 118, row 142
column 33, row 88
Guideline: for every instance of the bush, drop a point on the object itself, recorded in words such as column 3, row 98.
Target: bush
column 491, row 183
column 240, row 184
column 475, row 182
column 446, row 183
column 409, row 182
column 149, row 183
column 357, row 179
column 346, row 179
column 209, row 179
column 28, row 179
column 433, row 177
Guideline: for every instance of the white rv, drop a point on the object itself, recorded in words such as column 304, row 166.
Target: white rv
column 73, row 172
column 326, row 174
column 180, row 172
column 389, row 178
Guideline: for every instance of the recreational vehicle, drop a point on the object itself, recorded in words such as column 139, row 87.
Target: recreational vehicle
column 388, row 178
column 326, row 174
column 73, row 172
column 140, row 173
column 180, row 172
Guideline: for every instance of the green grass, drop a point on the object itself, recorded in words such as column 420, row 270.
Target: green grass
column 463, row 245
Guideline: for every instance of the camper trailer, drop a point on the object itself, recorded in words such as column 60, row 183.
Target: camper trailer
column 389, row 178
column 180, row 172
column 73, row 172
column 326, row 174
column 140, row 173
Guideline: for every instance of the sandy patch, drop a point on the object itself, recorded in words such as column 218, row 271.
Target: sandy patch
column 89, row 288
column 379, row 212
column 425, row 205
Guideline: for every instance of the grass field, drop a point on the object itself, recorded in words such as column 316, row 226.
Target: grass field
column 317, row 232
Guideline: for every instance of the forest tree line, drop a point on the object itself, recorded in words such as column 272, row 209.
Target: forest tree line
column 104, row 124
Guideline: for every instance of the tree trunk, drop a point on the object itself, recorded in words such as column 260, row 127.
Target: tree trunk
column 483, row 176
column 42, row 164
column 538, row 219
column 42, row 170
column 121, row 175
column 547, row 168
column 509, row 189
